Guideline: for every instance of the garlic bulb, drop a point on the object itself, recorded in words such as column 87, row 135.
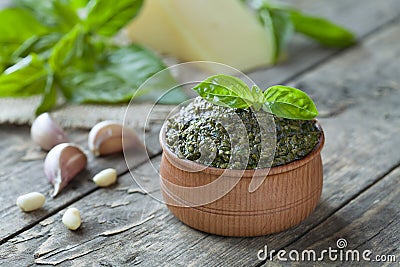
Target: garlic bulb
column 109, row 137
column 47, row 133
column 62, row 164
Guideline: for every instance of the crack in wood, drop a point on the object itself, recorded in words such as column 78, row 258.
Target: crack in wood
column 44, row 262
column 126, row 228
column 176, row 255
column 376, row 234
column 17, row 241
column 54, row 251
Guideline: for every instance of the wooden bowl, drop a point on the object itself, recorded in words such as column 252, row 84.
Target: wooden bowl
column 288, row 194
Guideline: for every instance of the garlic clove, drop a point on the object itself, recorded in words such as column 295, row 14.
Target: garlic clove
column 108, row 137
column 62, row 164
column 47, row 133
column 31, row 201
column 72, row 218
column 105, row 178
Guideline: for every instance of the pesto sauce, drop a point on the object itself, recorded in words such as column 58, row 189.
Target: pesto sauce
column 230, row 138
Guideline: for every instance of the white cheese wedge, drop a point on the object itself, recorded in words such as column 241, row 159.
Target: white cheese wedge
column 223, row 31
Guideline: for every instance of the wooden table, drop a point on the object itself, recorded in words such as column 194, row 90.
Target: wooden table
column 357, row 91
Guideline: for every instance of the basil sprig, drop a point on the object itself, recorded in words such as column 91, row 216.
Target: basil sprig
column 284, row 20
column 282, row 101
column 65, row 47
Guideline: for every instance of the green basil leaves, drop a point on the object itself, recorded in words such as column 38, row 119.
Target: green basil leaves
column 282, row 101
column 284, row 20
column 108, row 17
column 226, row 91
column 321, row 30
column 65, row 47
column 291, row 103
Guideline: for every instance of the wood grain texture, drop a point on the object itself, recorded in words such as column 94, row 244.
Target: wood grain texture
column 22, row 172
column 370, row 221
column 115, row 207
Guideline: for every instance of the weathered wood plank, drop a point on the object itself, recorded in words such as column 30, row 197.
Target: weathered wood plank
column 114, row 207
column 369, row 222
column 19, row 176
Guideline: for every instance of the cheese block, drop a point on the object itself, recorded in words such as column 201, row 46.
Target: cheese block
column 223, row 31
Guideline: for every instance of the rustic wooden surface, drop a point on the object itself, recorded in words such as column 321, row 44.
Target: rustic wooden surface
column 357, row 91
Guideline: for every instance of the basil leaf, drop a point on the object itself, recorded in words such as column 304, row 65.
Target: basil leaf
column 225, row 91
column 288, row 102
column 283, row 31
column 68, row 54
column 107, row 87
column 42, row 10
column 107, row 17
column 283, row 101
column 282, row 20
column 71, row 45
column 124, row 71
column 66, row 15
column 136, row 65
column 6, row 58
column 26, row 78
column 279, row 22
column 14, row 31
column 39, row 45
column 321, row 30
column 95, row 87
column 17, row 25
column 49, row 98
column 58, row 15
column 77, row 4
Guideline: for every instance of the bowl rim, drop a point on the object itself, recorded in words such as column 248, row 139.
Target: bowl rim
column 172, row 157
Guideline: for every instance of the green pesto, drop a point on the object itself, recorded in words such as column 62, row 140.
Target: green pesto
column 204, row 132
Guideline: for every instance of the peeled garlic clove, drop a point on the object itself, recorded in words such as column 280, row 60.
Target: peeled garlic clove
column 62, row 164
column 105, row 178
column 31, row 201
column 109, row 137
column 47, row 133
column 72, row 218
